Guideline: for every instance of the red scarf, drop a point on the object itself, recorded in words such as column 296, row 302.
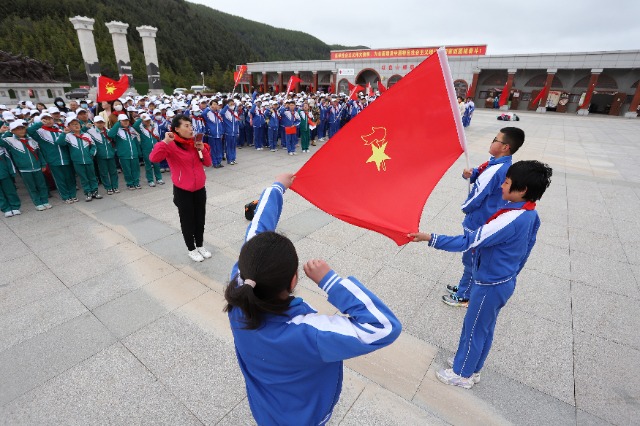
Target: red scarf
column 180, row 139
column 529, row 205
column 84, row 138
column 25, row 142
column 482, row 167
column 51, row 129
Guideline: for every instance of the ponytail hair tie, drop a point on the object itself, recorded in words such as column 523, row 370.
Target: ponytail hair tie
column 251, row 283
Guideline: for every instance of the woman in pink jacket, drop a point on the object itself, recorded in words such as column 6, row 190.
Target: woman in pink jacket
column 186, row 158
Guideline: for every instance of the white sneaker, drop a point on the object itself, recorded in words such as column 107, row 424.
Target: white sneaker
column 448, row 377
column 16, row 212
column 196, row 256
column 152, row 184
column 204, row 252
column 40, row 208
column 474, row 376
column 8, row 214
column 160, row 182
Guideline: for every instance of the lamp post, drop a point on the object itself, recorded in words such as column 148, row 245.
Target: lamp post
column 202, row 74
column 68, row 72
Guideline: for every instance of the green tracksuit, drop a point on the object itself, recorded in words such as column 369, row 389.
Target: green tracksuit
column 9, row 199
column 128, row 151
column 28, row 159
column 106, row 155
column 82, row 149
column 305, row 133
column 149, row 137
column 57, row 158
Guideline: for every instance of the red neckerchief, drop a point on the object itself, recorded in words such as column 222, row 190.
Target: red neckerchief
column 217, row 115
column 482, row 167
column 152, row 130
column 180, row 139
column 84, row 138
column 529, row 205
column 25, row 142
column 51, row 129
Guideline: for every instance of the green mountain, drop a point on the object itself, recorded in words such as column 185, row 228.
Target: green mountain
column 191, row 38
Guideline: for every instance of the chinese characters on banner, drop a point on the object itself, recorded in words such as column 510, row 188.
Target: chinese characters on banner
column 407, row 53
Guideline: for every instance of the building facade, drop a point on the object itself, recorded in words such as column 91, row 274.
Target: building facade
column 608, row 81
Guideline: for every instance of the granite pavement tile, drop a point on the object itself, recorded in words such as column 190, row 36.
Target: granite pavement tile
column 28, row 289
column 606, row 274
column 14, row 270
column 85, row 395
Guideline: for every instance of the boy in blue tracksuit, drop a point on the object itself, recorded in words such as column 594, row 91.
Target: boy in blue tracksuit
column 334, row 116
column 484, row 200
column 502, row 247
column 324, row 114
column 231, row 130
column 257, row 114
column 274, row 125
column 290, row 121
column 215, row 129
column 290, row 356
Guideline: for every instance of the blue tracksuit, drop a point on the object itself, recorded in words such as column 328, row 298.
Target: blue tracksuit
column 289, row 119
column 324, row 115
column 335, row 114
column 231, row 132
column 502, row 248
column 274, row 126
column 242, row 127
column 258, row 120
column 215, row 129
column 292, row 364
column 484, row 200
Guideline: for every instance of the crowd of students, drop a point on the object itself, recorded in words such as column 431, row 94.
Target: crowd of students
column 49, row 147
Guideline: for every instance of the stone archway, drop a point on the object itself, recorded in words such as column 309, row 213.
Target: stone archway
column 393, row 80
column 367, row 75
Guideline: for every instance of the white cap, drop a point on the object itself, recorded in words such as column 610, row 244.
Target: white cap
column 145, row 117
column 195, row 108
column 170, row 113
column 70, row 119
column 25, row 111
column 45, row 114
column 53, row 110
column 98, row 118
column 16, row 123
column 3, row 106
column 79, row 110
column 30, row 105
column 122, row 117
column 131, row 109
column 142, row 111
column 156, row 112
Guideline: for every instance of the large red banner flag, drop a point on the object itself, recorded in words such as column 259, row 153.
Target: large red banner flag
column 378, row 171
column 292, row 81
column 110, row 90
column 504, row 96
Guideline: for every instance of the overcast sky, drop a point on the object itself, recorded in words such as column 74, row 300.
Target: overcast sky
column 516, row 26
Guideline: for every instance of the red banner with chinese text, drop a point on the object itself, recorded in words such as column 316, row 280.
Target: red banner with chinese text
column 407, row 53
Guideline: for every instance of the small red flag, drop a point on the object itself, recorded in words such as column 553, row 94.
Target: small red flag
column 540, row 96
column 331, row 88
column 587, row 98
column 504, row 96
column 381, row 87
column 237, row 75
column 369, row 89
column 292, row 81
column 379, row 170
column 353, row 91
column 110, row 90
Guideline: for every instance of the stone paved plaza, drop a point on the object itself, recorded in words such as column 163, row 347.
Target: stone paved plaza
column 106, row 320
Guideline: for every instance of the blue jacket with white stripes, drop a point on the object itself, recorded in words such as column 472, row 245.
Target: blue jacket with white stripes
column 292, row 364
column 503, row 245
column 485, row 197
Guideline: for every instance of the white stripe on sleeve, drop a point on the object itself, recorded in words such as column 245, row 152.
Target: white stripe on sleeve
column 482, row 182
column 256, row 218
column 495, row 226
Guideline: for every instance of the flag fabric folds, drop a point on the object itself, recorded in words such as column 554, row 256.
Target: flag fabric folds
column 292, row 82
column 237, row 75
column 540, row 96
column 381, row 87
column 504, row 96
column 110, row 90
column 353, row 91
column 378, row 171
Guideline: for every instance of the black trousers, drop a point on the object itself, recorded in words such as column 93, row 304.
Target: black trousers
column 191, row 209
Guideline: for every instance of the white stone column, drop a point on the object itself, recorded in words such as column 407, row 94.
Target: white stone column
column 148, row 35
column 84, row 27
column 118, row 32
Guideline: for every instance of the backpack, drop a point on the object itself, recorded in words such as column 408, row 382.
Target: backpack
column 250, row 209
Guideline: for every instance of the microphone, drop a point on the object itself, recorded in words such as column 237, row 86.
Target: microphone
column 199, row 137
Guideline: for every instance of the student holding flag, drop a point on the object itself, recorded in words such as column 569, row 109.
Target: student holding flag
column 290, row 121
column 231, row 130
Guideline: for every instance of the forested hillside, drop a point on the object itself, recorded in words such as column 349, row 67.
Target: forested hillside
column 191, row 38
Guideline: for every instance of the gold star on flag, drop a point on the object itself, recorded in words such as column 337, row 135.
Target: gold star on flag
column 110, row 89
column 379, row 156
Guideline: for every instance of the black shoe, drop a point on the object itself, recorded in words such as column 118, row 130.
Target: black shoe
column 453, row 289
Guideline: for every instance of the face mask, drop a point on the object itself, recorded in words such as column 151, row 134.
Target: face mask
column 232, row 107
column 197, row 113
column 84, row 105
column 118, row 107
column 158, row 118
column 60, row 103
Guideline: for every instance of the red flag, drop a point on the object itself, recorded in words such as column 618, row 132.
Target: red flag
column 276, row 89
column 369, row 89
column 292, row 81
column 381, row 87
column 587, row 99
column 469, row 91
column 237, row 75
column 504, row 96
column 378, row 171
column 110, row 90
column 540, row 96
column 331, row 88
column 353, row 90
